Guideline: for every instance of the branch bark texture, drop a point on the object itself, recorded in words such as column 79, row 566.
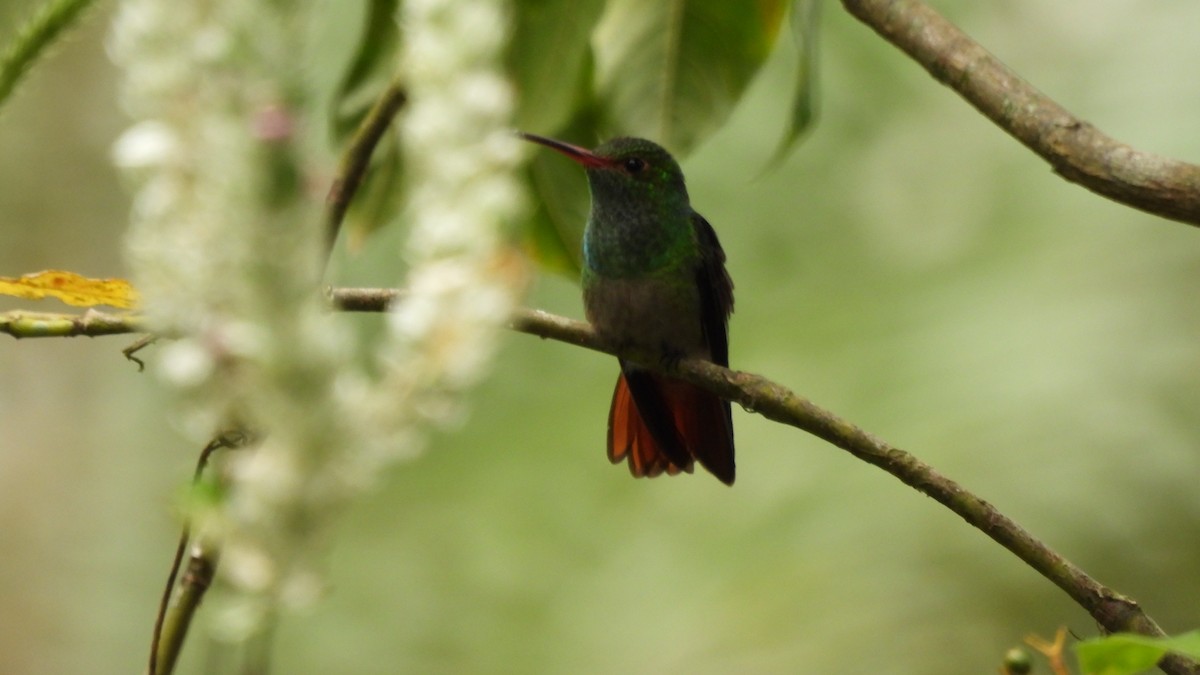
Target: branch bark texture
column 1077, row 151
column 92, row 323
column 1112, row 610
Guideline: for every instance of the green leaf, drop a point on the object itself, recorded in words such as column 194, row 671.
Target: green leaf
column 549, row 59
column 805, row 19
column 672, row 69
column 543, row 243
column 48, row 24
column 380, row 196
column 1126, row 653
column 560, row 193
column 373, row 66
column 556, row 225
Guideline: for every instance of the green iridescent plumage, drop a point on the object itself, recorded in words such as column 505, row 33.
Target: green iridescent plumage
column 654, row 275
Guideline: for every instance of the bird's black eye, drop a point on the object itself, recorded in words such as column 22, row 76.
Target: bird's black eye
column 634, row 164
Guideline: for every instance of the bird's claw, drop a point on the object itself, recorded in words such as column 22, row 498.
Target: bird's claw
column 670, row 357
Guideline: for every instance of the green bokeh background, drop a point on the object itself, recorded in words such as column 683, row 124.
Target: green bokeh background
column 910, row 267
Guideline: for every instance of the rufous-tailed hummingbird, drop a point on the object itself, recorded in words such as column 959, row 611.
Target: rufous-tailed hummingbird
column 654, row 276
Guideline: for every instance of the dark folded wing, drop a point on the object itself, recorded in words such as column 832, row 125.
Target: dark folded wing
column 716, row 304
column 716, row 290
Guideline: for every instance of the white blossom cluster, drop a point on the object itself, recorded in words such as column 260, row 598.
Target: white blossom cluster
column 463, row 198
column 226, row 249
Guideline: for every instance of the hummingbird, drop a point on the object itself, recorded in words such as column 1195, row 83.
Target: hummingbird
column 654, row 276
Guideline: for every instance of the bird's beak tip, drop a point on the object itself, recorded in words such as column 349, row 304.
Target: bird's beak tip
column 582, row 155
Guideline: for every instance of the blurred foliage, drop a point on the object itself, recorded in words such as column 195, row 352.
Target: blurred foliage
column 368, row 73
column 589, row 69
column 909, row 266
column 22, row 48
column 668, row 71
column 1127, row 654
column 70, row 288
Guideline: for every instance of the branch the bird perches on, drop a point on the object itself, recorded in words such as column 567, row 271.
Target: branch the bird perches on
column 1112, row 610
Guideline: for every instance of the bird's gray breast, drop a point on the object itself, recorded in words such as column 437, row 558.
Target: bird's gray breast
column 649, row 312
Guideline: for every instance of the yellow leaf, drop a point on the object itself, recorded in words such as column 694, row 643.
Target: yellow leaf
column 71, row 288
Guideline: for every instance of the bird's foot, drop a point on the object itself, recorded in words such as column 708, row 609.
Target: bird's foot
column 669, row 357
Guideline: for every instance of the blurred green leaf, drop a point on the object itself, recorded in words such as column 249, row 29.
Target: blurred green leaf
column 556, row 225
column 1126, row 654
column 549, row 58
column 380, row 196
column 805, row 18
column 32, row 39
column 666, row 70
column 200, row 498
column 373, row 66
column 673, row 70
column 561, row 197
column 544, row 244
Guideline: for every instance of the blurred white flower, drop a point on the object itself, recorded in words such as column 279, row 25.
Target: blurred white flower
column 249, row 566
column 147, row 145
column 463, row 198
column 185, row 364
column 225, row 247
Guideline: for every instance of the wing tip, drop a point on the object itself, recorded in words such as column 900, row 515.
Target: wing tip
column 726, row 477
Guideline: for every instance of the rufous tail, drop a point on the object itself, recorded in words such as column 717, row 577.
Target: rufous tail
column 660, row 425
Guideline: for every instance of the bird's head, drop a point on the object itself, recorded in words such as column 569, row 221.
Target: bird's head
column 626, row 171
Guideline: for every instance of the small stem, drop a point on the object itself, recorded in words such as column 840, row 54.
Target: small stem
column 137, row 346
column 171, row 624
column 197, row 577
column 357, row 157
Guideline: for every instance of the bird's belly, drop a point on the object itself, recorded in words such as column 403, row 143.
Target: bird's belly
column 647, row 312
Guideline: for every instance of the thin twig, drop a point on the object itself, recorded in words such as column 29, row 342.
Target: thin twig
column 1053, row 651
column 1078, row 151
column 201, row 568
column 137, row 346
column 357, row 157
column 361, row 299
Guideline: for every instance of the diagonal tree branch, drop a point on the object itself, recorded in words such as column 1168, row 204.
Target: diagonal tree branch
column 1112, row 610
column 1078, row 151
